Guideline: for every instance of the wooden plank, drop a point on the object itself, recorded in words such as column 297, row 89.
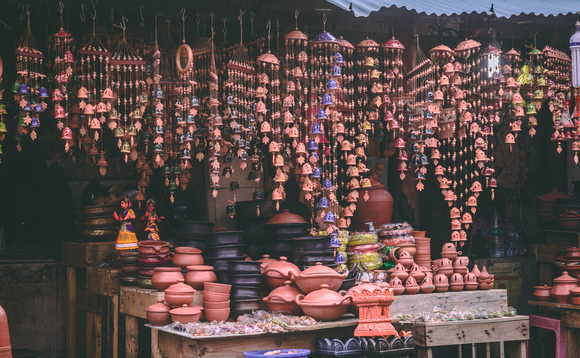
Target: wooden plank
column 488, row 350
column 132, row 337
column 115, row 328
column 466, row 332
column 155, row 353
column 71, row 316
column 572, row 342
column 83, row 254
column 90, row 335
column 571, row 319
column 554, row 305
column 424, row 353
column 134, row 300
column 98, row 335
column 501, row 350
column 103, row 281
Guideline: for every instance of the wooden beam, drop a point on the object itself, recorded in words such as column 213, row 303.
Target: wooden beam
column 71, row 312
column 132, row 337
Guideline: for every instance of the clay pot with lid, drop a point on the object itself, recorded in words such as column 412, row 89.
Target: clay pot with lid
column 283, row 299
column 562, row 286
column 400, row 272
column 397, row 286
column 445, row 267
column 542, row 293
column 417, row 273
column 572, row 253
column 405, row 258
column 378, row 209
column 441, row 283
column 158, row 314
column 186, row 314
column 456, row 282
column 449, row 251
column 197, row 275
column 179, row 294
column 163, row 277
column 187, row 256
column 324, row 304
column 153, row 247
column 411, row 286
column 314, row 276
column 286, row 217
column 280, row 271
column 470, row 281
column 427, row 285
column 575, row 296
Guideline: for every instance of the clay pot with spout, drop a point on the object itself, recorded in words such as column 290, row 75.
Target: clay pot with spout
column 427, row 285
column 378, row 208
column 397, row 286
column 542, row 293
column 280, row 271
column 283, row 299
column 441, row 283
column 562, row 286
column 324, row 304
column 411, row 286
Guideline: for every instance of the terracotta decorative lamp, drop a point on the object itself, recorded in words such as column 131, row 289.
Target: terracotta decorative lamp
column 373, row 301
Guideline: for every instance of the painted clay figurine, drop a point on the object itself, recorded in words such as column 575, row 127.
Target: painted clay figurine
column 126, row 238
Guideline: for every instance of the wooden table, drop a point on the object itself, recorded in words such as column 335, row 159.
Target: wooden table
column 569, row 316
column 168, row 343
column 482, row 332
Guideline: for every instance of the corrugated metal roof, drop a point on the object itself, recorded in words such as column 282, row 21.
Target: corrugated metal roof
column 503, row 8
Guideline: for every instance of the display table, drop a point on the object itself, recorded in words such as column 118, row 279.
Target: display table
column 569, row 316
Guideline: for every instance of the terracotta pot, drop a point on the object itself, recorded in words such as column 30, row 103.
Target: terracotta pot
column 417, row 233
column 542, row 293
column 575, row 296
column 410, row 248
column 427, row 285
column 185, row 314
column 153, row 247
column 286, row 217
column 378, row 209
column 187, row 256
column 128, row 269
column 219, row 314
column 158, row 314
column 411, row 286
column 441, row 283
column 5, row 348
column 417, row 273
column 562, row 286
column 324, row 304
column 461, row 261
column 397, row 286
column 283, row 299
column 400, row 272
column 198, row 274
column 209, row 296
column 217, row 287
column 476, row 271
column 456, row 282
column 216, row 305
column 310, row 279
column 179, row 294
column 153, row 260
column 573, row 252
column 163, row 277
column 280, row 271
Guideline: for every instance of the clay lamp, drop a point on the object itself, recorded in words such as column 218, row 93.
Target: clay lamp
column 158, row 314
column 400, row 272
column 456, row 282
column 324, row 304
column 485, row 279
column 470, row 281
column 476, row 271
column 279, row 272
column 397, row 286
column 441, row 283
column 411, row 286
column 542, row 293
column 311, row 278
column 417, row 273
column 283, row 299
column 373, row 301
column 179, row 294
column 427, row 285
column 562, row 286
column 445, row 267
column 405, row 258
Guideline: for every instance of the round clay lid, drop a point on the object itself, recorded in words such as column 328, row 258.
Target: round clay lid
column 296, row 35
column 287, row 292
column 286, row 217
column 158, row 307
column 186, row 310
column 282, row 265
column 199, row 268
column 180, row 288
column 393, row 43
column 319, row 269
column 323, row 296
column 565, row 278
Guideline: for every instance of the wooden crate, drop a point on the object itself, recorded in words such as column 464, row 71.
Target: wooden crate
column 83, row 254
column 103, row 281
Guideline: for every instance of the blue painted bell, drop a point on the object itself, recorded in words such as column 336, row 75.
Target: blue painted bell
column 428, row 115
column 315, row 129
column 430, row 96
column 43, row 92
column 190, row 119
column 316, row 173
column 230, row 100
column 312, row 145
column 194, row 101
column 35, row 122
column 188, row 137
column 321, row 114
column 327, row 184
column 334, row 240
column 23, row 89
column 27, row 108
column 327, row 100
column 38, row 107
column 336, row 71
column 329, row 217
column 158, row 147
column 331, row 85
column 159, row 94
column 325, row 36
column 340, row 258
column 323, row 203
column 424, row 160
column 338, row 59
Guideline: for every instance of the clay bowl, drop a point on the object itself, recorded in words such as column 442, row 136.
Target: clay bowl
column 217, row 314
column 216, row 305
column 209, row 296
column 217, row 287
column 186, row 314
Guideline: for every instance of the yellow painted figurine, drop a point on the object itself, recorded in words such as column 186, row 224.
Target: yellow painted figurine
column 126, row 239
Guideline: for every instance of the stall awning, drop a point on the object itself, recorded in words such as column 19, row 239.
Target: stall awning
column 502, row 8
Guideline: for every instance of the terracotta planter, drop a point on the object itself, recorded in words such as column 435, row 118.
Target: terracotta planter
column 378, row 209
column 283, row 299
column 324, row 304
column 217, row 287
column 197, row 275
column 163, row 277
column 179, row 294
column 279, row 272
column 542, row 293
column 186, row 314
column 158, row 314
column 417, row 233
column 187, row 256
column 219, row 314
column 314, row 276
column 562, row 286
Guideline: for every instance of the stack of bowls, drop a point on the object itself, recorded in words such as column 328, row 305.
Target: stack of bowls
column 227, row 246
column 308, row 250
column 247, row 286
column 423, row 253
column 151, row 254
column 216, row 301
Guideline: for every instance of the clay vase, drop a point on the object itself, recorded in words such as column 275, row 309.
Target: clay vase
column 542, row 293
column 427, row 285
column 378, row 209
column 197, row 275
column 397, row 286
column 411, row 286
column 400, row 272
column 158, row 314
column 562, row 286
column 456, row 282
column 417, row 273
column 5, row 348
column 470, row 281
column 164, row 277
column 441, row 283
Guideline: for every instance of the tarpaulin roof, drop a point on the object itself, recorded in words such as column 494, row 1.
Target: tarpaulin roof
column 502, row 8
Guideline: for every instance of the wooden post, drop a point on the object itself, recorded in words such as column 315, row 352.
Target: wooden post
column 115, row 342
column 90, row 344
column 424, row 352
column 131, row 337
column 488, row 350
column 155, row 353
column 71, row 317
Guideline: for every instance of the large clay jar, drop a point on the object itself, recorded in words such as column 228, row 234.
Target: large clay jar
column 187, row 256
column 324, row 304
column 279, row 272
column 197, row 275
column 562, row 286
column 411, row 286
column 158, row 314
column 283, row 299
column 179, row 294
column 314, row 276
column 427, row 285
column 378, row 209
column 542, row 293
column 164, row 277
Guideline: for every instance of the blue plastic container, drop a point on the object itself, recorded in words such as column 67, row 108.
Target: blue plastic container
column 296, row 353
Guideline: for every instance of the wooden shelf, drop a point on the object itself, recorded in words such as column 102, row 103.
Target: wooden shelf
column 555, row 305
